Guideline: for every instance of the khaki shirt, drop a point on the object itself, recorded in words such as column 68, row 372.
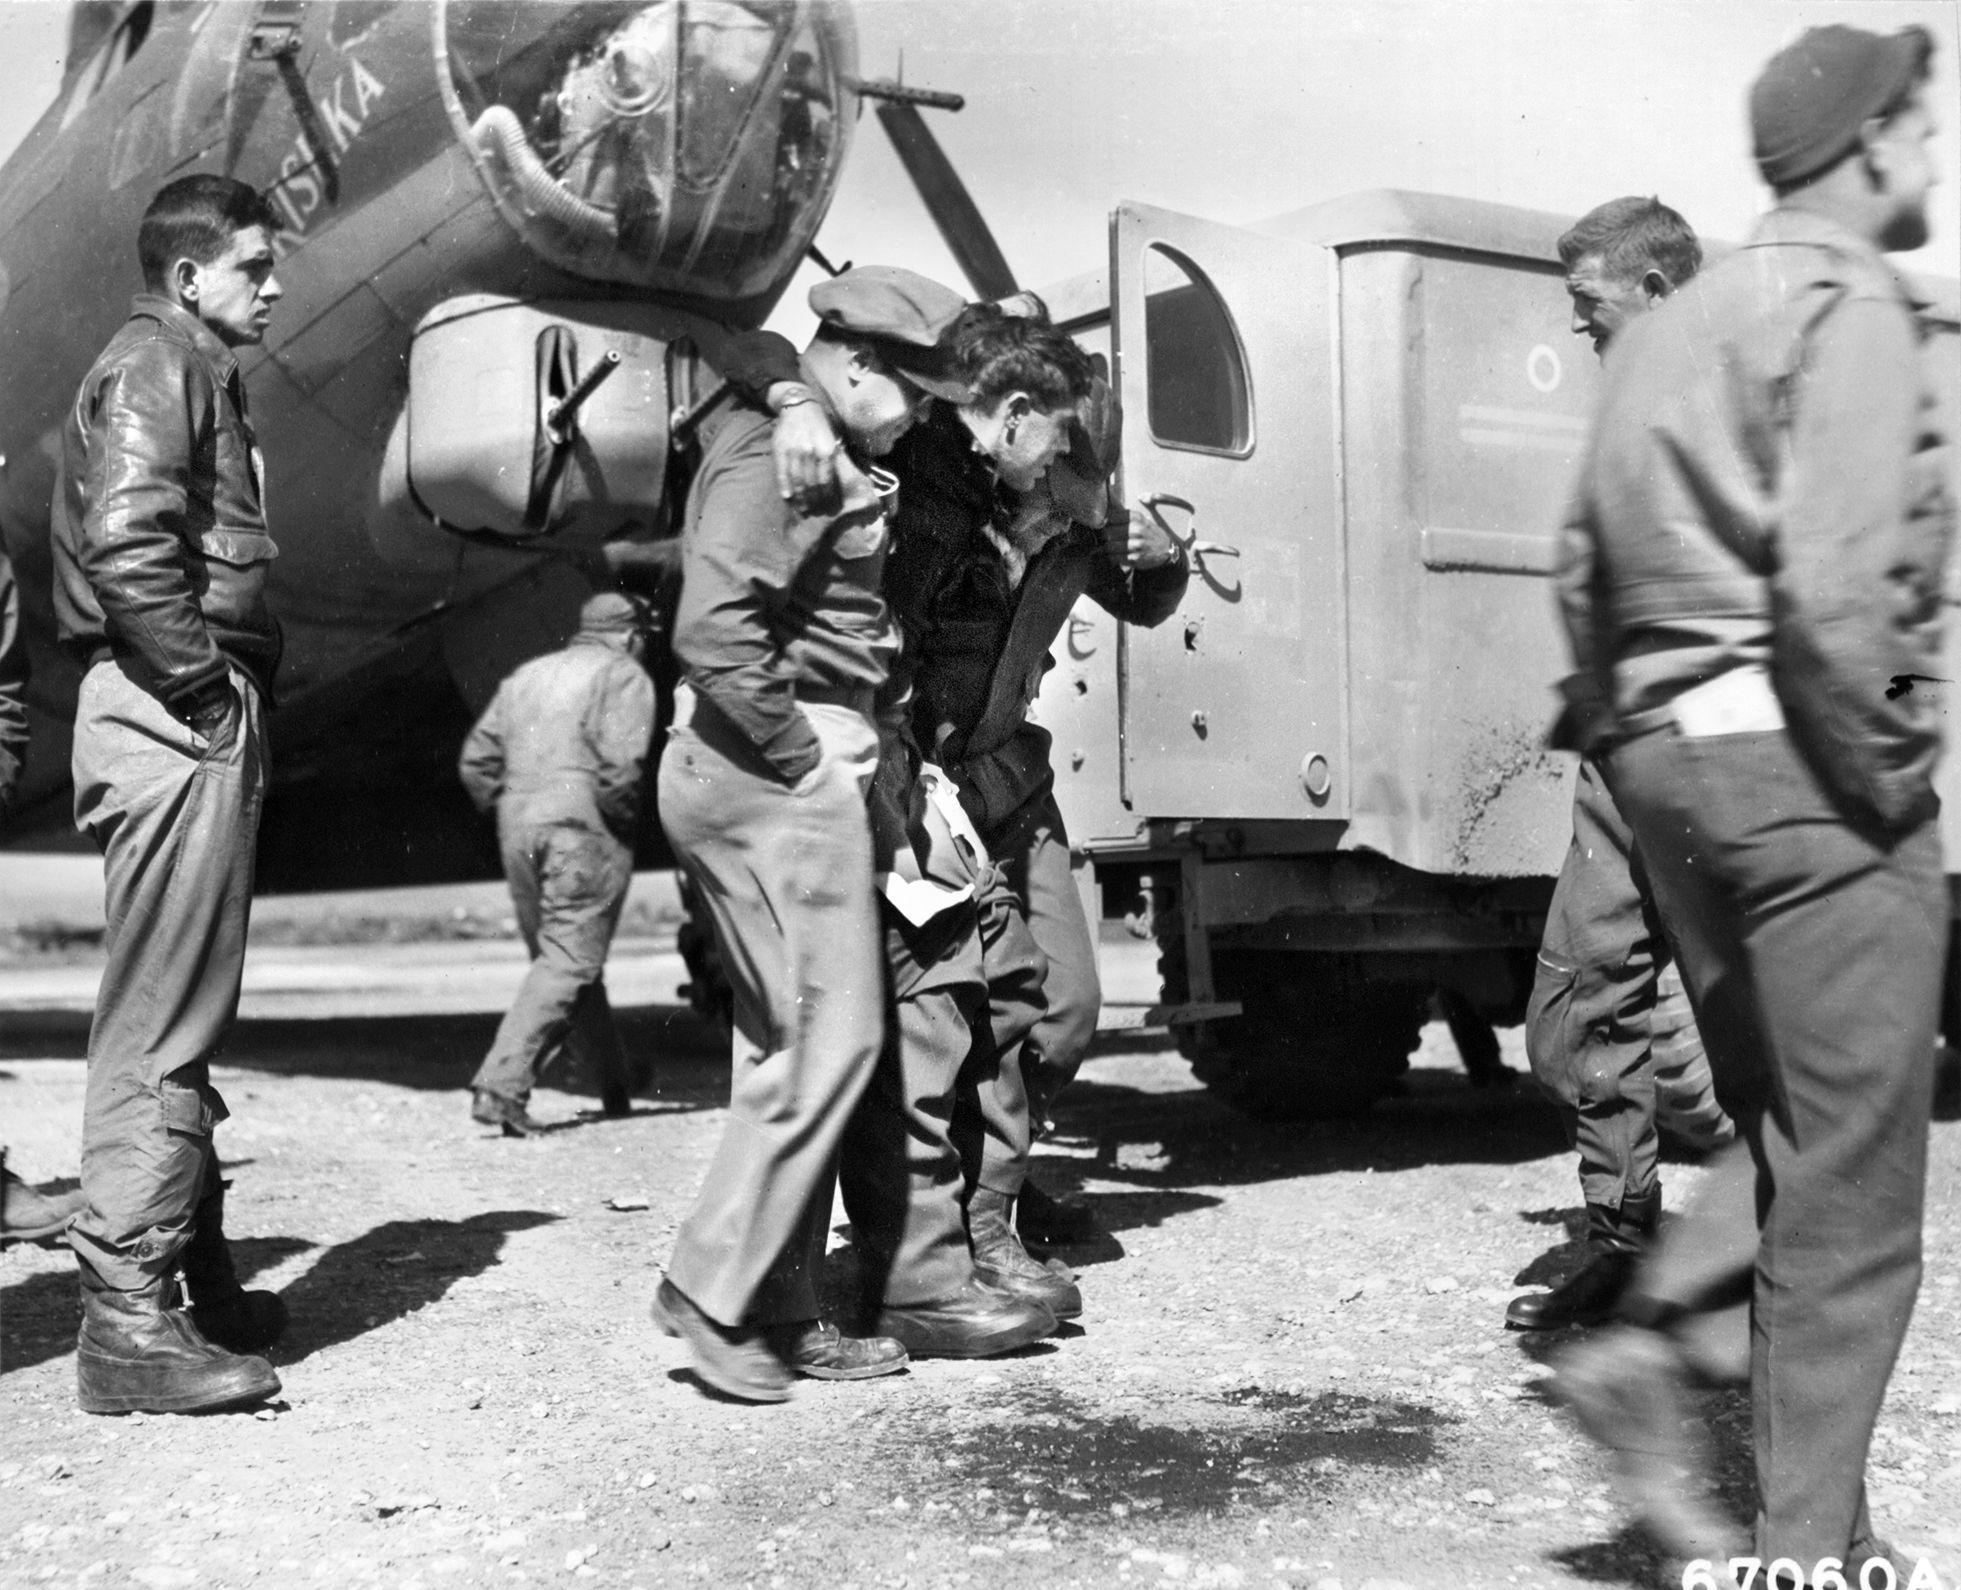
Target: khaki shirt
column 1766, row 487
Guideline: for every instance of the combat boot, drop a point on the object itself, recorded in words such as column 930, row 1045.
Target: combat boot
column 141, row 1352
column 30, row 1216
column 1003, row 1263
column 1616, row 1239
column 974, row 1322
column 227, row 1314
column 1624, row 1386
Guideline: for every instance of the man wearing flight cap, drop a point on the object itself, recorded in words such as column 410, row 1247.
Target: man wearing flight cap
column 785, row 641
column 559, row 754
column 1752, row 571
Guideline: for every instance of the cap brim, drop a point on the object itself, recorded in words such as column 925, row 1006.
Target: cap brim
column 939, row 386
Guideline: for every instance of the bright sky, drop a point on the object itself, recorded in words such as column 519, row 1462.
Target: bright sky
column 1240, row 109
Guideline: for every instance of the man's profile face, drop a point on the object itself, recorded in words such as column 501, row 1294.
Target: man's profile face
column 1603, row 303
column 234, row 294
column 1902, row 154
column 879, row 406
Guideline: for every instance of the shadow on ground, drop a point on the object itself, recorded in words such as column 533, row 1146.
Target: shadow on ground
column 354, row 1287
column 687, row 1056
column 388, row 1272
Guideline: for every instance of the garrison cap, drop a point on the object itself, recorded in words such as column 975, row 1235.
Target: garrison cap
column 613, row 613
column 1809, row 102
column 905, row 314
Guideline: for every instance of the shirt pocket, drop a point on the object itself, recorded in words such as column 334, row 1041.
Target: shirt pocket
column 236, row 564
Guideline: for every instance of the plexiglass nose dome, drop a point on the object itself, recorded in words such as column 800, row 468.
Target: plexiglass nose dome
column 689, row 146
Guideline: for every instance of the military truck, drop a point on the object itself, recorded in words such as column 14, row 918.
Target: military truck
column 1324, row 784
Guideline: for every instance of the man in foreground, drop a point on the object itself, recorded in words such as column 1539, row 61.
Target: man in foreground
column 161, row 555
column 1753, row 563
column 785, row 641
column 1608, row 1029
column 559, row 754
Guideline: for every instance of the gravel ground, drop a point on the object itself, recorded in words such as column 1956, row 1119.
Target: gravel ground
column 1291, row 1370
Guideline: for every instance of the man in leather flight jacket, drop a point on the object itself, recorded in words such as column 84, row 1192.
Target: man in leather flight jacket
column 161, row 556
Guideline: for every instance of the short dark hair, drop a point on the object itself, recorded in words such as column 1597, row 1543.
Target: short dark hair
column 196, row 218
column 997, row 353
column 1633, row 236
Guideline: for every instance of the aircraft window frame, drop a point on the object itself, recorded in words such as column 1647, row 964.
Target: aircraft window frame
column 1232, row 361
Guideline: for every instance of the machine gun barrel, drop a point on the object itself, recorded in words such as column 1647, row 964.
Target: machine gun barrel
column 898, row 94
column 562, row 412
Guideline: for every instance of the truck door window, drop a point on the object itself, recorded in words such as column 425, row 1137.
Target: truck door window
column 1195, row 369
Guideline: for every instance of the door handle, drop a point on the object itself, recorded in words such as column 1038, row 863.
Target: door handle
column 1194, row 548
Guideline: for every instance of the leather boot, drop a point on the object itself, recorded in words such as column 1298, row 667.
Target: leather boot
column 1616, row 1239
column 227, row 1314
column 1003, row 1263
column 30, row 1216
column 140, row 1352
column 974, row 1322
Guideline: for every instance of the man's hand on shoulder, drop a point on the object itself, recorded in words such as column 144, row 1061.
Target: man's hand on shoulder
column 1139, row 542
column 806, row 448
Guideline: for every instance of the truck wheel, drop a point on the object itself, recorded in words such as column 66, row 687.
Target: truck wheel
column 1317, row 1040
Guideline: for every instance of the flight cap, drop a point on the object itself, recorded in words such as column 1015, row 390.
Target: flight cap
column 1811, row 99
column 613, row 613
column 905, row 314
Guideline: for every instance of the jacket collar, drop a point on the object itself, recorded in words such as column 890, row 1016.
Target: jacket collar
column 1784, row 225
column 224, row 364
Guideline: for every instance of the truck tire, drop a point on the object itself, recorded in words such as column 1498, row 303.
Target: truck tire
column 1317, row 1040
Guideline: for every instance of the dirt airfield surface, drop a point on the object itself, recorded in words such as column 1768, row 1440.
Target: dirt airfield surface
column 1291, row 1370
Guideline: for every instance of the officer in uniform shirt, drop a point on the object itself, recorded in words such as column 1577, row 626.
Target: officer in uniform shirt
column 1608, row 1029
column 1752, row 574
column 785, row 640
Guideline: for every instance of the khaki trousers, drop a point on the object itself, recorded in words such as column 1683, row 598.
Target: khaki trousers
column 176, row 819
column 785, row 874
column 1813, row 948
column 1032, row 850
column 568, row 883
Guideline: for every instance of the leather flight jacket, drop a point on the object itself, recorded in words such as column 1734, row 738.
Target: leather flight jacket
column 161, row 552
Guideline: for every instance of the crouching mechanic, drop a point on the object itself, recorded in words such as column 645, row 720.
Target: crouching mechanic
column 785, row 640
column 559, row 753
column 161, row 556
column 1608, row 1030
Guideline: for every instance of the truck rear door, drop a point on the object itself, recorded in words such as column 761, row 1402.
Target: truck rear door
column 1234, row 708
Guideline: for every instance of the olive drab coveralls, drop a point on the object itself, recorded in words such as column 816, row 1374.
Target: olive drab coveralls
column 784, row 641
column 1754, row 558
column 1608, row 1030
column 560, row 754
column 161, row 556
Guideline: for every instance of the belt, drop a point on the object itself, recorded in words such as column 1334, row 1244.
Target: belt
column 1741, row 700
column 858, row 698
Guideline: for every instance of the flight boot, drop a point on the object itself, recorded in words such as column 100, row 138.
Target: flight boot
column 509, row 1115
column 1616, row 1239
column 226, row 1314
column 974, row 1322
column 1043, row 1218
column 30, row 1216
column 1625, row 1387
column 141, row 1352
column 1004, row 1264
